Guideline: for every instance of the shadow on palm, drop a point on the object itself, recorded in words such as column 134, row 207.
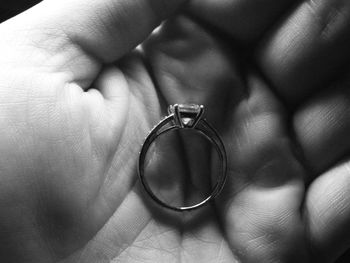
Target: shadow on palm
column 264, row 190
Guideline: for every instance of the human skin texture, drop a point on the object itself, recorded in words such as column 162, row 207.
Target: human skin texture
column 77, row 100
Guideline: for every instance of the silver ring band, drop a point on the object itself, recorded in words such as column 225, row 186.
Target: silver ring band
column 185, row 117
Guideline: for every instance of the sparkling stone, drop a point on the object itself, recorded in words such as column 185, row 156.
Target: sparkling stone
column 187, row 121
column 186, row 108
column 188, row 112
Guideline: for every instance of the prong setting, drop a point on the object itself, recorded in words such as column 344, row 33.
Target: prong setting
column 186, row 115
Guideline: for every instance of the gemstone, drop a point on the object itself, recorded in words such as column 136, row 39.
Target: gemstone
column 189, row 113
column 186, row 108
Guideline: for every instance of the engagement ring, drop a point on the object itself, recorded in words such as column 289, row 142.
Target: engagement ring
column 187, row 117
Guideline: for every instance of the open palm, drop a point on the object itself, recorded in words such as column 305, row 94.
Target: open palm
column 76, row 104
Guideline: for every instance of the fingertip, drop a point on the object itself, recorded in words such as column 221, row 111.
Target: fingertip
column 327, row 214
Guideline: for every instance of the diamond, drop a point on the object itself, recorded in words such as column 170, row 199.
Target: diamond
column 186, row 108
column 188, row 114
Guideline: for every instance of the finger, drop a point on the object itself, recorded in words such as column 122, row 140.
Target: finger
column 322, row 128
column 327, row 214
column 245, row 21
column 260, row 208
column 308, row 50
column 105, row 29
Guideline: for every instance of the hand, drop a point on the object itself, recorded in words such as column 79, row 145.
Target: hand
column 300, row 50
column 71, row 124
column 73, row 120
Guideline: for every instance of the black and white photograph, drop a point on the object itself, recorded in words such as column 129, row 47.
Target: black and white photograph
column 175, row 131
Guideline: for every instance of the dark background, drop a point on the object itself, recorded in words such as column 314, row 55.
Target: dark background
column 10, row 8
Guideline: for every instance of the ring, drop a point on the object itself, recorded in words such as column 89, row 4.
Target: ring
column 185, row 116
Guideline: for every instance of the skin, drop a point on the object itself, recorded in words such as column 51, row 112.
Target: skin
column 77, row 101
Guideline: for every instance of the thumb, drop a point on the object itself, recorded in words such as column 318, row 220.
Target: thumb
column 107, row 29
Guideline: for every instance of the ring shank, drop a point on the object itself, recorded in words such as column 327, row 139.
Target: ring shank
column 209, row 133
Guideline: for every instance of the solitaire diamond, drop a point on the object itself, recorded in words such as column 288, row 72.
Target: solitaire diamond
column 186, row 108
column 188, row 114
